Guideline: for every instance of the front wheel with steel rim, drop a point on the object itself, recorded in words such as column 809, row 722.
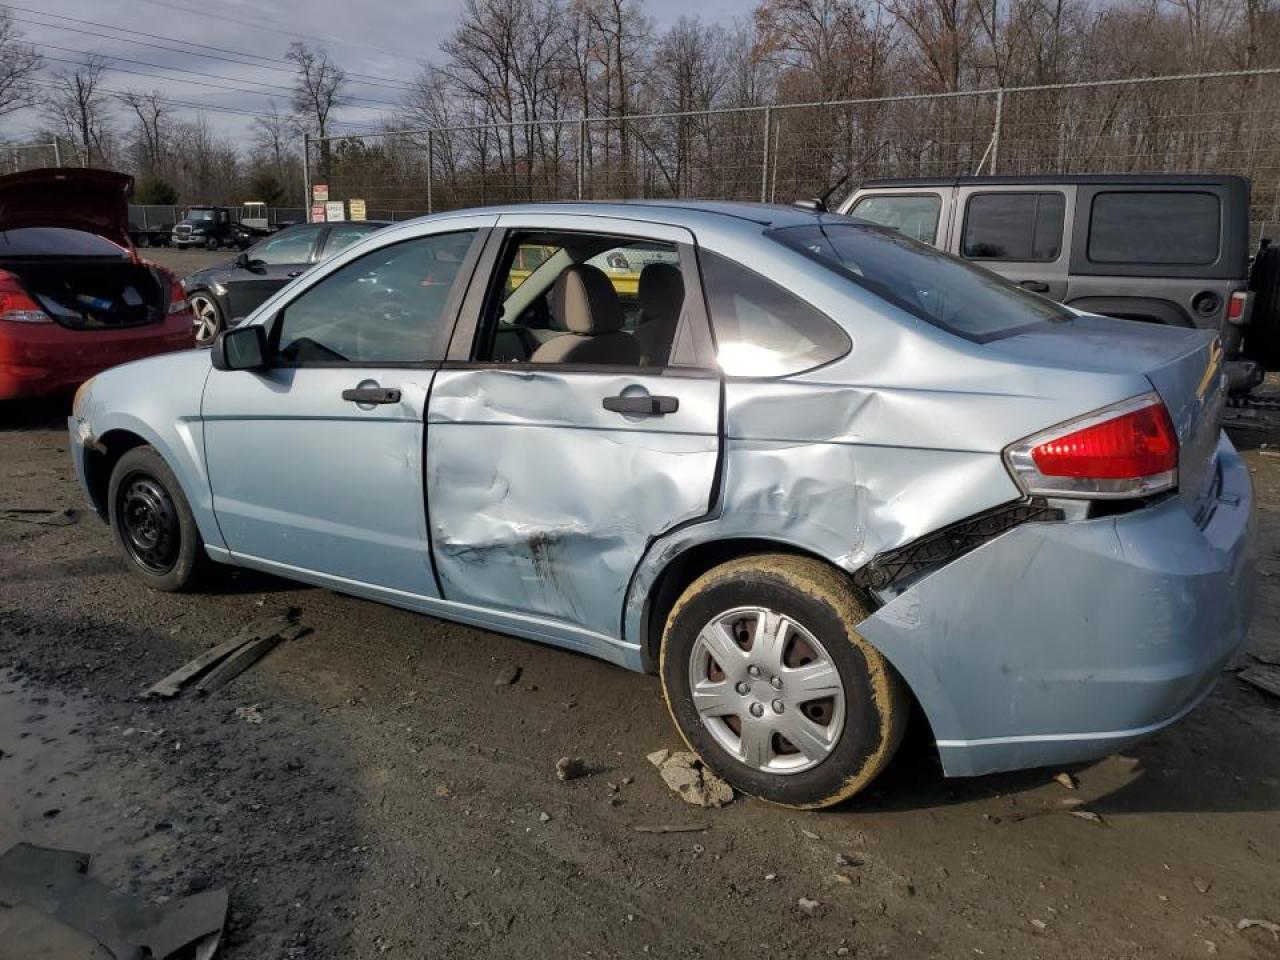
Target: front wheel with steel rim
column 153, row 522
column 208, row 318
column 772, row 686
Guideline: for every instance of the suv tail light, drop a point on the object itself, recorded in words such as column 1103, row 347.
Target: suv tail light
column 16, row 305
column 1129, row 449
column 1238, row 307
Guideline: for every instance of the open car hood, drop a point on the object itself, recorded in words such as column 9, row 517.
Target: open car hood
column 96, row 201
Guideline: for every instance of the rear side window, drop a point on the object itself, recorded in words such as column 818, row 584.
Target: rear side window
column 1026, row 227
column 288, row 246
column 936, row 287
column 915, row 215
column 762, row 330
column 56, row 242
column 343, row 236
column 1179, row 227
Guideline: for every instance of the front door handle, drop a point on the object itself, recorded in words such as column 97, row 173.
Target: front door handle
column 372, row 395
column 642, row 404
column 295, row 273
column 1035, row 286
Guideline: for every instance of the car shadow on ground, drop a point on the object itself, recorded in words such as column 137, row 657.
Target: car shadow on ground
column 47, row 413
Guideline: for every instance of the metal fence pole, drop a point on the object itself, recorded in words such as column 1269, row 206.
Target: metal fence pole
column 582, row 154
column 995, row 134
column 764, row 161
column 431, row 170
column 57, row 153
column 306, row 174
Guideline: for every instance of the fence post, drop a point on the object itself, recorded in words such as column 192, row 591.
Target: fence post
column 306, row 174
column 57, row 153
column 995, row 135
column 582, row 154
column 431, row 169
column 764, row 161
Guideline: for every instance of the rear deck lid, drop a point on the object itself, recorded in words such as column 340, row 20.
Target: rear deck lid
column 96, row 201
column 1184, row 365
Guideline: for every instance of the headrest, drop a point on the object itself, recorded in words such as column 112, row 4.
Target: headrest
column 661, row 291
column 583, row 301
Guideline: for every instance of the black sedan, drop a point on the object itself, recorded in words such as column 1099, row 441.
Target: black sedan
column 224, row 294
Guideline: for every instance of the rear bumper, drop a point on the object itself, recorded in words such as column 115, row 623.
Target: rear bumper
column 1061, row 642
column 42, row 359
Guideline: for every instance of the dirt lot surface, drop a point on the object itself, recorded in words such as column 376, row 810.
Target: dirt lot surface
column 370, row 790
column 183, row 262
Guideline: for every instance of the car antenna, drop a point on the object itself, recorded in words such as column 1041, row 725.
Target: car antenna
column 819, row 204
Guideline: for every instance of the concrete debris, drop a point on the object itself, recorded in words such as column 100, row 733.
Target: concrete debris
column 250, row 714
column 686, row 775
column 507, row 676
column 1067, row 780
column 544, row 817
column 1201, row 884
column 1086, row 815
column 845, row 860
column 808, row 907
column 571, row 768
column 1271, row 928
column 809, row 834
column 1039, row 924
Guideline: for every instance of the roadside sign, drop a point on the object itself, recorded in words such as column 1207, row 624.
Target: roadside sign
column 319, row 192
column 335, row 210
column 317, row 213
column 357, row 209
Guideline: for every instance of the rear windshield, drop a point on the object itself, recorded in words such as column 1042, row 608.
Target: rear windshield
column 934, row 286
column 56, row 242
column 1174, row 227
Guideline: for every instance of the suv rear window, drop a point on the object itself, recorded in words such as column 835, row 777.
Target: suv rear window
column 936, row 287
column 915, row 214
column 1172, row 227
column 1025, row 227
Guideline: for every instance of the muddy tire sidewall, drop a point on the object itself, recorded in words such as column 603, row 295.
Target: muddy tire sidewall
column 818, row 597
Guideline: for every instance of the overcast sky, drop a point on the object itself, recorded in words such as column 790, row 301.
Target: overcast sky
column 382, row 41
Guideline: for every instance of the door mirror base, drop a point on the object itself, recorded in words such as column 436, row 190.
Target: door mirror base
column 241, row 348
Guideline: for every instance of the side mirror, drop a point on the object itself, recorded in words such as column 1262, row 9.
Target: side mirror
column 243, row 348
column 242, row 260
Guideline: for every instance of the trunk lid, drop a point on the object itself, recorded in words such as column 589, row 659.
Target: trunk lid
column 96, row 201
column 1184, row 365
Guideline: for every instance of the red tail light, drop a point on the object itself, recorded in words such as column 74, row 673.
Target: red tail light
column 1238, row 306
column 177, row 294
column 16, row 305
column 1126, row 450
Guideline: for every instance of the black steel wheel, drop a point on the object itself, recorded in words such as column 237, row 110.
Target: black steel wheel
column 154, row 523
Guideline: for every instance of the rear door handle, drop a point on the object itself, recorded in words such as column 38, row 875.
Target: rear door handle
column 1035, row 286
column 642, row 404
column 372, row 395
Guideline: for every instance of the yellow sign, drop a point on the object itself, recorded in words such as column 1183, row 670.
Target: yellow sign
column 356, row 208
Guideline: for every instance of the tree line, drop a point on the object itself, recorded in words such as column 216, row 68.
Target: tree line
column 514, row 79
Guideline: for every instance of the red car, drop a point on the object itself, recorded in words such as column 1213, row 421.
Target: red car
column 74, row 296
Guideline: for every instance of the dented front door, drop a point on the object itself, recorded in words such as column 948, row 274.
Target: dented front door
column 545, row 486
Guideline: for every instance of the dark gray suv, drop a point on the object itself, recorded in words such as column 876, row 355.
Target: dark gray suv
column 1168, row 249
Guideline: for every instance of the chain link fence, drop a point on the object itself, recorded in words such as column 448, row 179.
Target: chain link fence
column 16, row 157
column 1227, row 122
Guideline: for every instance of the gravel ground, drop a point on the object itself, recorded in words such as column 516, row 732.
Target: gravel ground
column 370, row 791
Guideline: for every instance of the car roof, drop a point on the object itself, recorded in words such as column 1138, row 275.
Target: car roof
column 682, row 213
column 1159, row 179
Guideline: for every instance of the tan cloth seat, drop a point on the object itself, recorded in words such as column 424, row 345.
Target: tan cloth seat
column 661, row 297
column 585, row 303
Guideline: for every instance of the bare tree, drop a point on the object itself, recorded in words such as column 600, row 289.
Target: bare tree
column 317, row 92
column 273, row 135
column 18, row 63
column 80, row 108
column 152, row 135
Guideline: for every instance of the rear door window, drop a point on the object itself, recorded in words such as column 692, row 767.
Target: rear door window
column 1023, row 227
column 288, row 246
column 1173, row 227
column 915, row 215
column 761, row 329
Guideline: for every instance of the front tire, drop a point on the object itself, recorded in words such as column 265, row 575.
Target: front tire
column 154, row 524
column 771, row 685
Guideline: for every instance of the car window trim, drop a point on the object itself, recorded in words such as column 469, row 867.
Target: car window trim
column 692, row 343
column 1062, row 246
column 448, row 314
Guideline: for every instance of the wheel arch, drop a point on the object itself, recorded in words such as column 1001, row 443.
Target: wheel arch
column 101, row 459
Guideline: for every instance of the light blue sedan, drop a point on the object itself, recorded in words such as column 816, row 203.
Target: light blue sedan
column 809, row 471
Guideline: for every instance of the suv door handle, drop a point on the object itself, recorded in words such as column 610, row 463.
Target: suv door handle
column 1035, row 286
column 294, row 273
column 642, row 404
column 372, row 395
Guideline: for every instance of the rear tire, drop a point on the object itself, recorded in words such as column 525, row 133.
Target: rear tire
column 211, row 243
column 1262, row 336
column 822, row 685
column 154, row 524
column 208, row 322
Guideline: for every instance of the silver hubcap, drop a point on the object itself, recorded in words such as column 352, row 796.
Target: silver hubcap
column 766, row 690
column 206, row 319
